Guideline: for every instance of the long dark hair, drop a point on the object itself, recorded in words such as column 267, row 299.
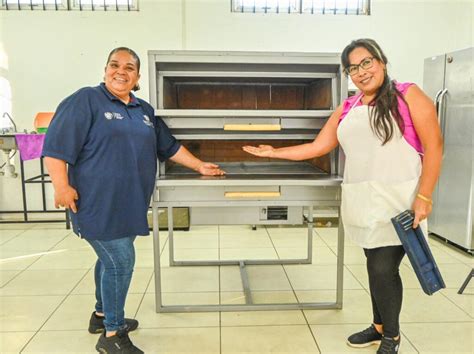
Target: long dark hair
column 134, row 56
column 385, row 102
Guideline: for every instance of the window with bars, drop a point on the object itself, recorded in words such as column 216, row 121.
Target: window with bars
column 99, row 5
column 333, row 7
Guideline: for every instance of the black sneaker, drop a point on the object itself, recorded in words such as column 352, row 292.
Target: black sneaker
column 96, row 324
column 118, row 344
column 389, row 346
column 365, row 338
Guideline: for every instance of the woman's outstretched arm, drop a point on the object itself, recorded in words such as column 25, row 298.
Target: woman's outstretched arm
column 322, row 144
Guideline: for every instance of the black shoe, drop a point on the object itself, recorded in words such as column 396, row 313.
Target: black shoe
column 118, row 344
column 96, row 324
column 389, row 346
column 365, row 338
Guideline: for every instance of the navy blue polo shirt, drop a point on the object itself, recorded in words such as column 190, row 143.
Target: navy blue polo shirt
column 111, row 149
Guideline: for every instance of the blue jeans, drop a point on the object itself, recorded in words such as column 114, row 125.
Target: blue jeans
column 113, row 273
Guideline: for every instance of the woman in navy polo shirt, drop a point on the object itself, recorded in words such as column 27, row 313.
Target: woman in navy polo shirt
column 101, row 152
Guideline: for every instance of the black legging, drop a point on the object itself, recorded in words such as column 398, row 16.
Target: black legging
column 386, row 288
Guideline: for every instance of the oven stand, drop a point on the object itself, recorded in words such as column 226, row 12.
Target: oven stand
column 249, row 305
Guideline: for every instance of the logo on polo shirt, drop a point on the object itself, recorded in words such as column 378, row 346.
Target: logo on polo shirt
column 112, row 115
column 147, row 121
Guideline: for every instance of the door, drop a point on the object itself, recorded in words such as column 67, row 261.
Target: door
column 433, row 85
column 454, row 199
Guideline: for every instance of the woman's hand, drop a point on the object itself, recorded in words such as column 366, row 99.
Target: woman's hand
column 66, row 197
column 422, row 210
column 209, row 169
column 261, row 150
column 64, row 194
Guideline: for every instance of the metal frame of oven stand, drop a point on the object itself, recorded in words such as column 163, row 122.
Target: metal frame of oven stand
column 249, row 305
column 41, row 178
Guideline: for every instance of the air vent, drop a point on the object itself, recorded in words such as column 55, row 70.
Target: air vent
column 277, row 213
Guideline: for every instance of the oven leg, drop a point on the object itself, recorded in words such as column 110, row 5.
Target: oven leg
column 309, row 259
column 249, row 305
column 340, row 261
column 170, row 236
column 156, row 252
column 245, row 283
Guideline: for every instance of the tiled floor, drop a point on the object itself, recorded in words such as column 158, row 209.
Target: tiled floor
column 46, row 294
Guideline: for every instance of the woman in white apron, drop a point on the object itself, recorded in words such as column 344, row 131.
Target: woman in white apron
column 392, row 142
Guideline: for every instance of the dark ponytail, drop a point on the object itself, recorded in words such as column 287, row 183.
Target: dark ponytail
column 385, row 102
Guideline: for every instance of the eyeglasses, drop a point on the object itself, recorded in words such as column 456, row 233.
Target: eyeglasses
column 365, row 64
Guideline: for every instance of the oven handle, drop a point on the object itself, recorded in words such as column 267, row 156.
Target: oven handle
column 252, row 194
column 252, row 127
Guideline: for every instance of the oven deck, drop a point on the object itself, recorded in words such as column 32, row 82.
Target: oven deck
column 256, row 169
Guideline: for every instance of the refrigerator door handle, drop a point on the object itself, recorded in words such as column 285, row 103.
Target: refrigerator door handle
column 436, row 101
column 440, row 103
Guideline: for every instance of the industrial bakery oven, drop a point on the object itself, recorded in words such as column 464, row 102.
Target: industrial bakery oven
column 215, row 103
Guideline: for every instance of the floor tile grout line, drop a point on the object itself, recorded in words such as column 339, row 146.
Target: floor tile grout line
column 220, row 324
column 436, row 322
column 455, row 304
column 28, row 225
column 144, row 294
column 16, row 275
column 54, row 311
column 81, row 330
column 219, row 274
column 469, row 263
column 255, row 290
column 347, row 269
column 322, row 239
column 198, row 292
column 287, row 276
column 320, row 324
column 10, row 239
column 90, row 270
column 443, row 251
column 326, row 324
column 219, row 243
column 311, row 331
column 357, row 279
column 447, row 246
column 284, row 270
column 230, row 326
column 27, row 267
column 409, row 341
column 220, row 331
column 271, row 241
column 220, row 285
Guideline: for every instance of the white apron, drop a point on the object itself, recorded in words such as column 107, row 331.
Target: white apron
column 380, row 181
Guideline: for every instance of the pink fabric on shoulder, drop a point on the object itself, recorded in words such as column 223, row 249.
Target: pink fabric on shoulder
column 410, row 133
column 347, row 105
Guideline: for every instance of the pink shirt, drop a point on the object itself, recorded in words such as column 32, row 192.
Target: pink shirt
column 410, row 133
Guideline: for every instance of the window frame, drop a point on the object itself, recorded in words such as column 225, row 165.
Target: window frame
column 132, row 5
column 70, row 5
column 302, row 7
column 40, row 5
column 236, row 7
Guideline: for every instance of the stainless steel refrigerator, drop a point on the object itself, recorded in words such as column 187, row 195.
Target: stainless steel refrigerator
column 448, row 80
